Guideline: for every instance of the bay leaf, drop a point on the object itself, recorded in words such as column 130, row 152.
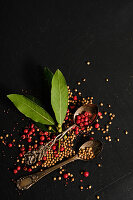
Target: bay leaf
column 59, row 96
column 31, row 109
column 48, row 75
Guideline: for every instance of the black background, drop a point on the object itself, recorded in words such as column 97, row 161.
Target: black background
column 65, row 36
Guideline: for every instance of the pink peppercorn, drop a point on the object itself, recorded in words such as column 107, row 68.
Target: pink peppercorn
column 86, row 119
column 42, row 138
column 65, row 176
column 29, row 170
column 75, row 98
column 44, row 158
column 76, row 132
column 15, row 171
column 86, row 174
column 54, row 147
column 56, row 155
column 78, row 117
column 86, row 114
column 18, row 168
column 82, row 120
column 86, row 123
column 97, row 125
column 33, row 130
column 81, row 124
column 32, row 125
column 30, row 133
column 10, row 145
column 62, row 149
column 21, row 155
column 25, row 130
column 99, row 114
column 29, row 140
column 78, row 121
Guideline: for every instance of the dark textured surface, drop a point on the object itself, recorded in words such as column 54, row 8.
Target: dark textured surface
column 64, row 36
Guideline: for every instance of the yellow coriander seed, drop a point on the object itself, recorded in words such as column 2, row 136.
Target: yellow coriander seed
column 101, row 104
column 106, row 79
column 98, row 197
column 126, row 132
column 118, row 139
column 54, row 178
column 79, row 83
column 88, row 63
column 90, row 186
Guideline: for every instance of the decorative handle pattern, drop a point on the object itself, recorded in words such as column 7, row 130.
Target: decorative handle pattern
column 26, row 182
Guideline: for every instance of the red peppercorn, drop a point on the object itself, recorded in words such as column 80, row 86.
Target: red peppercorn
column 82, row 120
column 46, row 133
column 99, row 114
column 48, row 138
column 18, row 168
column 29, row 140
column 42, row 138
column 86, row 119
column 33, row 130
column 76, row 132
column 68, row 111
column 86, row 174
column 65, row 176
column 56, row 155
column 97, row 125
column 44, row 158
column 62, row 149
column 41, row 143
column 21, row 155
column 54, row 147
column 82, row 128
column 91, row 138
column 35, row 146
column 86, row 123
column 66, row 118
column 76, row 128
column 10, row 144
column 15, row 171
column 22, row 149
column 25, row 168
column 81, row 124
column 23, row 137
column 78, row 121
column 82, row 116
column 75, row 98
column 30, row 133
column 29, row 170
column 30, row 149
column 25, row 130
column 32, row 125
column 78, row 117
column 86, row 114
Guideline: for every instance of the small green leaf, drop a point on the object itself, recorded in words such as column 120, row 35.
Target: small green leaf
column 31, row 109
column 48, row 75
column 59, row 96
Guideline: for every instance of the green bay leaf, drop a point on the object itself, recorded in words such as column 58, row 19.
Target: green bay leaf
column 31, row 109
column 59, row 96
column 48, row 75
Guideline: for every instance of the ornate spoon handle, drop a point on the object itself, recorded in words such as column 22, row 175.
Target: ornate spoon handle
column 26, row 182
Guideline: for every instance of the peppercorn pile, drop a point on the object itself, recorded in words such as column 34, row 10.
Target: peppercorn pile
column 32, row 137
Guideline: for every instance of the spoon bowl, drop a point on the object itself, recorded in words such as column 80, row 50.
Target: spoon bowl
column 96, row 146
column 90, row 108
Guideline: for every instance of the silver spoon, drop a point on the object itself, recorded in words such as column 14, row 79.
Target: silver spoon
column 26, row 182
column 31, row 157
